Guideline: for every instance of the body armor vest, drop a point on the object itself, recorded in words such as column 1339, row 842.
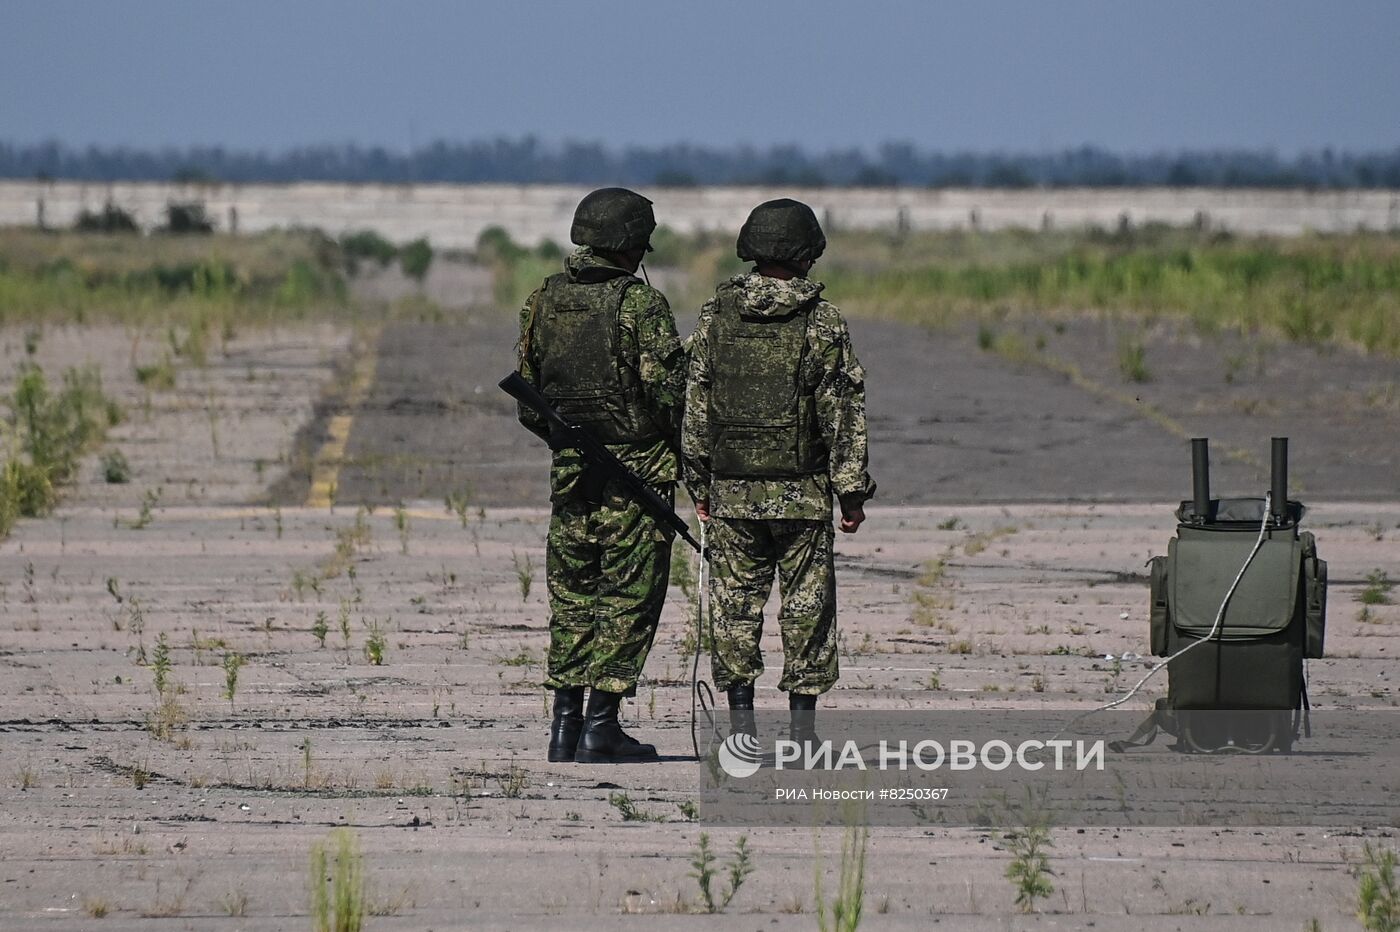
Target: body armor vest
column 763, row 419
column 576, row 343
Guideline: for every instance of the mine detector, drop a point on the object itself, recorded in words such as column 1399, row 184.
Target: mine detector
column 1238, row 604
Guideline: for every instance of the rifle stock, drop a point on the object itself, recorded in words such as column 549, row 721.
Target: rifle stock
column 563, row 435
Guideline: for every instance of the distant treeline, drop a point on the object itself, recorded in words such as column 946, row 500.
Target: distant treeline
column 528, row 160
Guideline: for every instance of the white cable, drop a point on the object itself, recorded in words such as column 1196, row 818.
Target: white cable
column 1219, row 617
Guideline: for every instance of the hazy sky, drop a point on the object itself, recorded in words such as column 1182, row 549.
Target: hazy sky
column 1131, row 75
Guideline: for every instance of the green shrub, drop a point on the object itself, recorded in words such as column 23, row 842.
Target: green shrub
column 167, row 280
column 25, row 491
column 338, row 897
column 111, row 219
column 51, row 431
column 367, row 245
column 415, row 258
column 1378, row 894
column 115, row 469
column 1132, row 361
column 159, row 376
column 187, row 218
column 494, row 244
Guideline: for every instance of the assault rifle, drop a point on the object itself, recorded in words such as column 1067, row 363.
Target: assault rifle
column 602, row 464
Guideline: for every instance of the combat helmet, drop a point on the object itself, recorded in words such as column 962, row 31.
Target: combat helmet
column 613, row 220
column 783, row 230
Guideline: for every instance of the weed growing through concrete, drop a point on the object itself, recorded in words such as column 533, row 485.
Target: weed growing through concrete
column 976, row 543
column 459, row 504
column 513, row 781
column 136, row 624
column 233, row 662
column 343, row 619
column 48, row 434
column 736, row 870
column 337, row 881
column 306, row 761
column 1029, row 840
column 843, row 912
column 401, row 525
column 163, row 908
column 147, row 513
column 375, row 642
column 1377, row 894
column 234, row 903
column 524, row 575
column 300, row 581
column 115, row 469
column 1132, row 361
column 1377, row 589
column 320, row 628
column 160, row 665
column 630, row 811
column 930, row 596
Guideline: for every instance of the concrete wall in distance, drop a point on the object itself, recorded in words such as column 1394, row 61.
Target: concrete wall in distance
column 453, row 216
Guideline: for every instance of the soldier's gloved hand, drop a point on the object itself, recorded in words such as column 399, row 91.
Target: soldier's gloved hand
column 851, row 517
column 702, row 509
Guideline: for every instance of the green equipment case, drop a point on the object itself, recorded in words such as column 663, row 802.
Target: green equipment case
column 1252, row 667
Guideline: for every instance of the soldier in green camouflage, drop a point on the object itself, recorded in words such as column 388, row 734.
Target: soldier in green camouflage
column 774, row 426
column 601, row 346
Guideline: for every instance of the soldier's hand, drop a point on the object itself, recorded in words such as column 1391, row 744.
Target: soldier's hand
column 851, row 519
column 702, row 509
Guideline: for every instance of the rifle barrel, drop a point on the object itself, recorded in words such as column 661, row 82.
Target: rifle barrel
column 597, row 453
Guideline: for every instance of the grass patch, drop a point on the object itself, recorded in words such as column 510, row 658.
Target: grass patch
column 1029, row 841
column 630, row 811
column 1378, row 895
column 704, row 870
column 201, row 284
column 842, row 913
column 1377, row 589
column 1316, row 288
column 1132, row 361
column 46, row 435
column 338, row 900
column 1312, row 289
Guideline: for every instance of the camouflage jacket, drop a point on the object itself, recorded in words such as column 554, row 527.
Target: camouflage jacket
column 649, row 345
column 831, row 365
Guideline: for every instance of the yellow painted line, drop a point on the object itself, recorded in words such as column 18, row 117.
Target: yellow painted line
column 325, row 470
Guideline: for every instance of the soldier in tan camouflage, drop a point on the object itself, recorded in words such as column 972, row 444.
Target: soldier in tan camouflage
column 601, row 346
column 774, row 426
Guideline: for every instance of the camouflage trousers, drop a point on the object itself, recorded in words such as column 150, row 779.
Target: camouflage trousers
column 607, row 566
column 743, row 556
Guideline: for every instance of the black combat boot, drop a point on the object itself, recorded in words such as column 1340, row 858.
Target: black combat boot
column 802, row 719
column 567, row 725
column 741, row 717
column 603, row 741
